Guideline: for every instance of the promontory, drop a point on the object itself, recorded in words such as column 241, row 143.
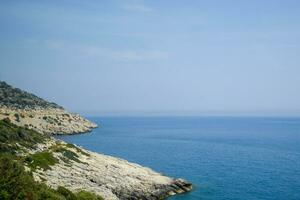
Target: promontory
column 27, row 124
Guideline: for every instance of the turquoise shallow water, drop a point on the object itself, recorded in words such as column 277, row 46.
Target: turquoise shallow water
column 234, row 158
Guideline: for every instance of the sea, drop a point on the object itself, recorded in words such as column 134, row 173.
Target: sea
column 225, row 158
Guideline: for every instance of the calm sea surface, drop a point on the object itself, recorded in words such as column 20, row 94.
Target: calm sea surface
column 224, row 157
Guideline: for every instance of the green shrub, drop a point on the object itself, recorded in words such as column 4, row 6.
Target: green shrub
column 70, row 155
column 66, row 193
column 83, row 195
column 41, row 159
column 15, row 183
column 11, row 134
column 77, row 149
column 46, row 193
column 17, row 117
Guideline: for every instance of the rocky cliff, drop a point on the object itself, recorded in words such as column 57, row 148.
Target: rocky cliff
column 28, row 110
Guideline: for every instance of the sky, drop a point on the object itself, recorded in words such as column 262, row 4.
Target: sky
column 171, row 57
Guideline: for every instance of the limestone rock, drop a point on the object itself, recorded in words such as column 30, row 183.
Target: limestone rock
column 25, row 109
column 109, row 177
column 47, row 120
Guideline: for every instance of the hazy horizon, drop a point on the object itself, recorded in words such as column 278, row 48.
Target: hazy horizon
column 141, row 57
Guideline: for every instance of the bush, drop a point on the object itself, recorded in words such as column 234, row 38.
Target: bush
column 11, row 134
column 77, row 149
column 41, row 159
column 66, row 193
column 68, row 154
column 83, row 195
column 16, row 183
column 17, row 117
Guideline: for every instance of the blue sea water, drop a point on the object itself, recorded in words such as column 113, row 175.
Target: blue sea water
column 234, row 158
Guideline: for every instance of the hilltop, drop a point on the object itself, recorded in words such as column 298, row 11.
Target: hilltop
column 16, row 98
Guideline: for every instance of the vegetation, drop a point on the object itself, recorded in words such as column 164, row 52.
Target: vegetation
column 77, row 149
column 68, row 154
column 84, row 195
column 15, row 182
column 41, row 159
column 17, row 117
column 17, row 98
column 11, row 135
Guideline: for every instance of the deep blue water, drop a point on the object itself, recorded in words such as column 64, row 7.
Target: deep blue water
column 234, row 158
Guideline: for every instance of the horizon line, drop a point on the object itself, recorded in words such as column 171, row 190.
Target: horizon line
column 186, row 114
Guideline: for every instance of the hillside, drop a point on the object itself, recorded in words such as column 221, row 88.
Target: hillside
column 16, row 181
column 28, row 110
column 16, row 98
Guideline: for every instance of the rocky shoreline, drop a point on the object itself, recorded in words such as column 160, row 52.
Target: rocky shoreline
column 78, row 169
column 110, row 177
column 56, row 163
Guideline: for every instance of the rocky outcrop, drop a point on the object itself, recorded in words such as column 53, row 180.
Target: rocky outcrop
column 47, row 120
column 109, row 177
column 27, row 110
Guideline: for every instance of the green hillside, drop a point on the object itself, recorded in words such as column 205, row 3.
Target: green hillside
column 17, row 98
column 15, row 182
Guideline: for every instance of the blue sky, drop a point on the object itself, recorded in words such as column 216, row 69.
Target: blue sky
column 166, row 57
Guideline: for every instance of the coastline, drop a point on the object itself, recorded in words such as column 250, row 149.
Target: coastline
column 110, row 177
column 116, row 179
column 57, row 163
